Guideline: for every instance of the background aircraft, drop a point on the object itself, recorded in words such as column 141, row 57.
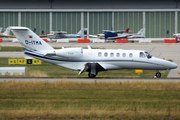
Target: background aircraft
column 1, row 29
column 6, row 33
column 43, row 33
column 111, row 35
column 89, row 60
column 102, row 36
column 177, row 35
column 62, row 34
column 119, row 31
column 8, row 30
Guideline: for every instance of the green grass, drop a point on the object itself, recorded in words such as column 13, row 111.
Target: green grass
column 49, row 70
column 7, row 49
column 22, row 99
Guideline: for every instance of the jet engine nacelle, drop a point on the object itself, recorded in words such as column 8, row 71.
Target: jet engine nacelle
column 70, row 52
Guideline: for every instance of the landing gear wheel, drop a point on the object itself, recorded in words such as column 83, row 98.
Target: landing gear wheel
column 91, row 75
column 158, row 75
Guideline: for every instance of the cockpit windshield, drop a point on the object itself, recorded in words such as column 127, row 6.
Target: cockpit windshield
column 148, row 55
column 142, row 55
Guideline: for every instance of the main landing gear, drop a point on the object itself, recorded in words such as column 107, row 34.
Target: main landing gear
column 93, row 72
column 158, row 75
column 91, row 75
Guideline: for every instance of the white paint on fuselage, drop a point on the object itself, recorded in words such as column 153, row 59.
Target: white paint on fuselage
column 111, row 62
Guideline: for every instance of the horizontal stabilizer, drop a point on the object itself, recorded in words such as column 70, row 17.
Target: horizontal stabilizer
column 50, row 54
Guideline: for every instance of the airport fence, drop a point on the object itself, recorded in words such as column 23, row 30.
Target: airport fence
column 61, row 117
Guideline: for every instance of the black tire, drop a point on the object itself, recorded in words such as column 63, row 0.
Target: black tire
column 158, row 74
column 91, row 75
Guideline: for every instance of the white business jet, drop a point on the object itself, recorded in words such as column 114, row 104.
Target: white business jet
column 89, row 60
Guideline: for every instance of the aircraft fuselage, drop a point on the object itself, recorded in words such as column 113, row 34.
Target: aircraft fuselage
column 108, row 59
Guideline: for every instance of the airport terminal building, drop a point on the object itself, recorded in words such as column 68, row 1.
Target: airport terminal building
column 160, row 18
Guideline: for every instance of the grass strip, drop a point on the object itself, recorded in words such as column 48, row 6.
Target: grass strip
column 32, row 99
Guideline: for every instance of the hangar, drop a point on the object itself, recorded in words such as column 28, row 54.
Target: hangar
column 160, row 18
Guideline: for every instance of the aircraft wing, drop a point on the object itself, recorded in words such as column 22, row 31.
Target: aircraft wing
column 117, row 31
column 78, row 35
column 59, row 32
column 15, row 36
column 7, row 36
column 131, row 36
column 95, row 36
column 46, row 35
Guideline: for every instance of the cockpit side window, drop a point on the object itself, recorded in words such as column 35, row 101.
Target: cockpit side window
column 148, row 55
column 142, row 55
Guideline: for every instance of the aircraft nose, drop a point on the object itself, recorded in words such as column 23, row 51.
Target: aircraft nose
column 172, row 65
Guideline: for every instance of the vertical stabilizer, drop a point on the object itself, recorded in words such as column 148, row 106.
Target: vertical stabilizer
column 29, row 40
column 7, row 32
column 1, row 29
column 81, row 32
column 141, row 32
column 126, row 31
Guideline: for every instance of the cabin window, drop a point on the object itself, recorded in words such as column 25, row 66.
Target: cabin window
column 99, row 54
column 141, row 55
column 130, row 54
column 105, row 54
column 112, row 54
column 117, row 54
column 124, row 54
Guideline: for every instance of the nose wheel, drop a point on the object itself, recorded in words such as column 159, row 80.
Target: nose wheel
column 158, row 74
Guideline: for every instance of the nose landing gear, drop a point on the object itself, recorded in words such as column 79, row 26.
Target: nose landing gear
column 158, row 75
